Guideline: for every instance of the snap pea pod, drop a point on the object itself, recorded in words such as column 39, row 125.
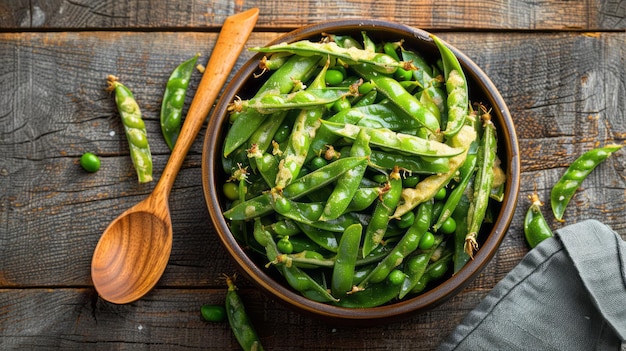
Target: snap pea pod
column 379, row 61
column 271, row 102
column 266, row 164
column 456, row 87
column 348, row 184
column 174, row 99
column 428, row 187
column 424, row 73
column 396, row 141
column 460, row 215
column 375, row 295
column 407, row 245
column 416, row 267
column 261, row 205
column 397, row 94
column 576, row 173
column 375, row 230
column 274, row 61
column 134, row 128
column 466, row 172
column 536, row 229
column 413, row 164
column 262, row 138
column 303, row 131
column 482, row 184
column 434, row 271
column 239, row 321
column 295, row 277
column 297, row 68
column 345, row 262
column 324, row 238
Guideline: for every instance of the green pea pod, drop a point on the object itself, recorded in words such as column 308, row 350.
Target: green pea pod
column 428, row 187
column 434, row 271
column 270, row 102
column 407, row 245
column 413, row 164
column 266, row 164
column 274, row 61
column 262, row 137
column 306, row 259
column 239, row 321
column 536, row 229
column 456, row 86
column 348, row 184
column 460, row 215
column 416, row 267
column 174, row 99
column 324, row 238
column 375, row 295
column 482, row 184
column 345, row 262
column 575, row 174
column 134, row 128
column 466, row 173
column 295, row 277
column 304, row 130
column 378, row 224
column 396, row 141
column 398, row 95
column 297, row 68
column 424, row 73
column 362, row 199
column 379, row 61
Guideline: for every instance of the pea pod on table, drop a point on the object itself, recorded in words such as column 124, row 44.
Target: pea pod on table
column 134, row 128
column 174, row 99
column 536, row 229
column 239, row 321
column 575, row 174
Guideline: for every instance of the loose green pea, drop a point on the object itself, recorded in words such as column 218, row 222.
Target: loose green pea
column 448, row 226
column 410, row 181
column 406, row 220
column 334, row 77
column 284, row 245
column 213, row 313
column 231, row 191
column 441, row 194
column 396, row 277
column 427, row 241
column 90, row 162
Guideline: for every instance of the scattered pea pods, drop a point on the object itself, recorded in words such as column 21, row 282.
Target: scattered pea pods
column 134, row 128
column 569, row 182
column 239, row 321
column 536, row 229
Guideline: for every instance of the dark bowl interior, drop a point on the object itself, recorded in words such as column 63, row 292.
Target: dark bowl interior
column 481, row 89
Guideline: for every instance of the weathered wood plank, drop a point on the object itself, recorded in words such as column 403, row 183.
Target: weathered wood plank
column 43, row 319
column 55, row 108
column 515, row 15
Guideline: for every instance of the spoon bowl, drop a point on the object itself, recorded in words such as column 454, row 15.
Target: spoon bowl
column 134, row 250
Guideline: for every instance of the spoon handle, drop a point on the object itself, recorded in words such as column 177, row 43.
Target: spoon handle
column 230, row 42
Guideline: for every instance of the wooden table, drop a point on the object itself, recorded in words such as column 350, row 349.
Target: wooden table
column 559, row 66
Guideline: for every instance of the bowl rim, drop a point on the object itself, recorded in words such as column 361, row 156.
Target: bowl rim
column 422, row 302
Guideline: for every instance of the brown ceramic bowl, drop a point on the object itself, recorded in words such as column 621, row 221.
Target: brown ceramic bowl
column 481, row 89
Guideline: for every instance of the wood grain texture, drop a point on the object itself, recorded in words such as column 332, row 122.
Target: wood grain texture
column 565, row 91
column 146, row 14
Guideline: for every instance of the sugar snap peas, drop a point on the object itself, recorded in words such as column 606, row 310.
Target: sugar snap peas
column 174, row 99
column 569, row 182
column 536, row 229
column 134, row 128
column 239, row 321
column 362, row 199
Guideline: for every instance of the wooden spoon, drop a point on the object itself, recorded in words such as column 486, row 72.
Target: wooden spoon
column 134, row 250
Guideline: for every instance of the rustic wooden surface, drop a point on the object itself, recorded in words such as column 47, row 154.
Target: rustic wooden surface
column 559, row 66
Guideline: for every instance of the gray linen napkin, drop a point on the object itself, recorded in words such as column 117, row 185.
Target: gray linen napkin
column 568, row 293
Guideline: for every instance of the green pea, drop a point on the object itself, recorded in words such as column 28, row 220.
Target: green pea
column 90, row 162
column 396, row 277
column 334, row 77
column 318, row 162
column 380, row 178
column 231, row 191
column 283, row 205
column 284, row 245
column 427, row 241
column 441, row 194
column 341, row 105
column 410, row 181
column 366, row 88
column 213, row 313
column 282, row 134
column 406, row 220
column 448, row 226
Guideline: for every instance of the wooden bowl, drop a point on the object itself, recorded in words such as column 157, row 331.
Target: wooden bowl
column 481, row 89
